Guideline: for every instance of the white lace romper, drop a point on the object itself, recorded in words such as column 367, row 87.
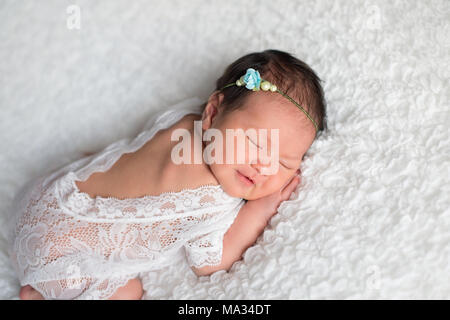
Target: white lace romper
column 68, row 245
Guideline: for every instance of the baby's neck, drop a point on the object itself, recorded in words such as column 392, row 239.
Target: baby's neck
column 183, row 175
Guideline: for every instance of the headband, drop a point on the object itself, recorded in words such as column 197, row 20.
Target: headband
column 253, row 81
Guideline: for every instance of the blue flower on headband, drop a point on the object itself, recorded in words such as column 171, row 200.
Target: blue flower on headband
column 252, row 79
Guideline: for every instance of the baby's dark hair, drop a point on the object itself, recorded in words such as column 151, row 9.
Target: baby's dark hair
column 291, row 75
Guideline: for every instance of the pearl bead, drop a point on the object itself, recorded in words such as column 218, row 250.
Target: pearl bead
column 238, row 82
column 273, row 88
column 265, row 85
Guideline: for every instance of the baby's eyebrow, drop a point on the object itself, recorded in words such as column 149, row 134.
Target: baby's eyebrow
column 283, row 157
column 288, row 158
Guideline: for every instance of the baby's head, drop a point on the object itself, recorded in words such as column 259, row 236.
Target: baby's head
column 236, row 107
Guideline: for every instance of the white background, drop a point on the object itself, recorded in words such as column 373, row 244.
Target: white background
column 371, row 216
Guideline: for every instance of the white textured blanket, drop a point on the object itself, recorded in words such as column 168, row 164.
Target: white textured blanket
column 371, row 217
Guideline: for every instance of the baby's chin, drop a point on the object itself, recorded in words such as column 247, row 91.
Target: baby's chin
column 236, row 190
column 232, row 192
column 231, row 186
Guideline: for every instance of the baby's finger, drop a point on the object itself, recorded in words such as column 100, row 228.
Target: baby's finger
column 286, row 192
column 287, row 184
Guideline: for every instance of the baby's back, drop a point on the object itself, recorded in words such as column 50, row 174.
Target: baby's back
column 149, row 170
column 61, row 232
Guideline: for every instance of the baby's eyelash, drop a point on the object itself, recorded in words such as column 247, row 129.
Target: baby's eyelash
column 260, row 148
column 285, row 166
column 253, row 142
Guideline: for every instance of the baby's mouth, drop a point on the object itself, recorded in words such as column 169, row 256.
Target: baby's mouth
column 245, row 177
column 250, row 180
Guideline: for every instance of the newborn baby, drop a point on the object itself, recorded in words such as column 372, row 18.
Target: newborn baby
column 89, row 229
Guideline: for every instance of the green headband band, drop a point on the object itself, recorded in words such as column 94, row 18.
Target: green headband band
column 253, row 81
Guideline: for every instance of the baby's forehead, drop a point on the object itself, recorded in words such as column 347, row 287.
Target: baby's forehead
column 292, row 131
column 272, row 102
column 283, row 115
column 295, row 130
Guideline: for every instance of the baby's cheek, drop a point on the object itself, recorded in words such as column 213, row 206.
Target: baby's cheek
column 223, row 174
column 276, row 182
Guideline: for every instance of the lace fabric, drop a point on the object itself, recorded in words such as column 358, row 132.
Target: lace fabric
column 68, row 245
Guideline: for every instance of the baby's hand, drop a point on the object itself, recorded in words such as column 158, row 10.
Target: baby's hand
column 267, row 206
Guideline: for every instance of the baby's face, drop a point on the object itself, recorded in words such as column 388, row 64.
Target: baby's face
column 262, row 110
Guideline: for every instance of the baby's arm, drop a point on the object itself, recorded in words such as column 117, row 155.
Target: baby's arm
column 248, row 225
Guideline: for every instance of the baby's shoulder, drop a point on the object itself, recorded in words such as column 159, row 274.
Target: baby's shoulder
column 150, row 170
column 186, row 175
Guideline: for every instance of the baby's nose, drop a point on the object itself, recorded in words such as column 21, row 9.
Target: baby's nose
column 264, row 170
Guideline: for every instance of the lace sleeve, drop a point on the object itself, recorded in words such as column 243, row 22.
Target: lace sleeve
column 83, row 288
column 205, row 250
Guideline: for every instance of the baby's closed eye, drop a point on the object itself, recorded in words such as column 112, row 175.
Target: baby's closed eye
column 288, row 167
